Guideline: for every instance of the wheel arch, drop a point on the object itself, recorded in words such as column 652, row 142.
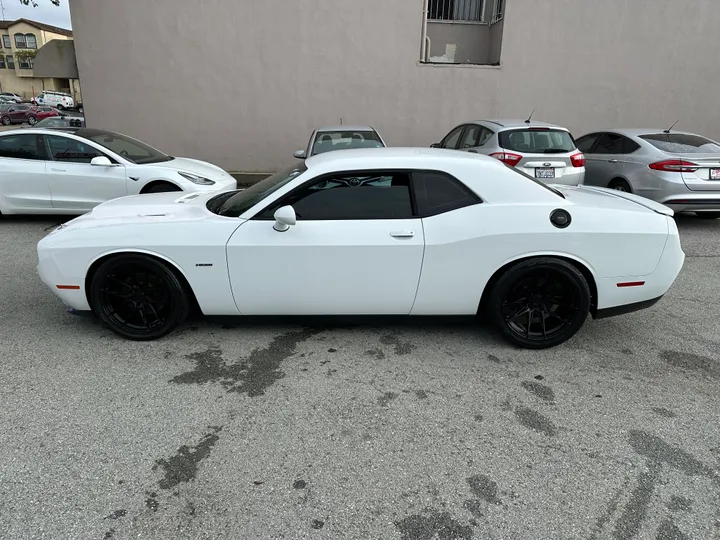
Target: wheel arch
column 158, row 182
column 621, row 178
column 169, row 263
column 582, row 266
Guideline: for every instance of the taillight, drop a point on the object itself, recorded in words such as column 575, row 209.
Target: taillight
column 578, row 160
column 674, row 165
column 507, row 158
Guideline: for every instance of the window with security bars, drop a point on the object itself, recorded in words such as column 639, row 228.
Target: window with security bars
column 456, row 10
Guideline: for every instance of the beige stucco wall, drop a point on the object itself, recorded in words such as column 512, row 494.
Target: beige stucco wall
column 243, row 84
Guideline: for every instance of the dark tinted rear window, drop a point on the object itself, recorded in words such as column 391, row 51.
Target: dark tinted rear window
column 680, row 143
column 437, row 193
column 537, row 141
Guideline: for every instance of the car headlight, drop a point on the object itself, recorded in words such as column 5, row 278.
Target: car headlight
column 195, row 179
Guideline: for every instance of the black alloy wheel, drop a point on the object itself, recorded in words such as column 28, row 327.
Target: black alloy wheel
column 540, row 303
column 138, row 297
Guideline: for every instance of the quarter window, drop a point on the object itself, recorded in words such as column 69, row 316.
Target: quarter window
column 69, row 150
column 485, row 136
column 20, row 147
column 437, row 193
column 371, row 195
column 470, row 136
column 585, row 143
column 609, row 143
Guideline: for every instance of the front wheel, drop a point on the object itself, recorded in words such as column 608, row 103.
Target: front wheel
column 540, row 303
column 32, row 120
column 708, row 215
column 6, row 121
column 138, row 297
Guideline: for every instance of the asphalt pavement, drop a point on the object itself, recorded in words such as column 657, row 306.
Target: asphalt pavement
column 244, row 429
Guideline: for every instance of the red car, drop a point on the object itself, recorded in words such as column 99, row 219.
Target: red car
column 12, row 113
column 44, row 111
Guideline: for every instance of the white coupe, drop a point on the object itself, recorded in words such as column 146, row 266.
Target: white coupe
column 387, row 231
column 48, row 171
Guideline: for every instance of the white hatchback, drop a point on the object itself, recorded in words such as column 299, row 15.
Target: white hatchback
column 46, row 171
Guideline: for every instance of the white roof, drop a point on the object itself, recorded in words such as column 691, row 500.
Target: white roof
column 394, row 157
column 345, row 128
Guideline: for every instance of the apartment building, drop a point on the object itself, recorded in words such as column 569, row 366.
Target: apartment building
column 243, row 84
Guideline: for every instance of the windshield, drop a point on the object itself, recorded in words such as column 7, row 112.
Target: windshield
column 681, row 143
column 236, row 203
column 537, row 141
column 127, row 147
column 327, row 141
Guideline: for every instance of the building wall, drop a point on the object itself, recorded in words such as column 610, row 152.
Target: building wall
column 243, row 84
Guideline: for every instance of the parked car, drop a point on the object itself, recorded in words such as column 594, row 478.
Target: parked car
column 11, row 97
column 542, row 150
column 46, row 171
column 63, row 122
column 331, row 138
column 45, row 111
column 61, row 100
column 18, row 113
column 678, row 169
column 461, row 234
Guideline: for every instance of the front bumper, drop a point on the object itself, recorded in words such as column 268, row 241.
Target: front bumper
column 60, row 284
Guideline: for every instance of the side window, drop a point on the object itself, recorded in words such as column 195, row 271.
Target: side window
column 609, row 143
column 69, row 150
column 370, row 195
column 485, row 136
column 470, row 137
column 629, row 146
column 21, row 147
column 437, row 193
column 452, row 138
column 585, row 143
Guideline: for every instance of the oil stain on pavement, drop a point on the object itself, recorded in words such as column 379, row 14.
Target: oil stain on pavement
column 183, row 466
column 534, row 420
column 433, row 524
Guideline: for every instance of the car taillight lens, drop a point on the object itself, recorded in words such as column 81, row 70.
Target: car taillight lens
column 578, row 160
column 507, row 158
column 674, row 165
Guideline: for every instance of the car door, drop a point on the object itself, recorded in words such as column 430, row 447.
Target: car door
column 18, row 113
column 75, row 184
column 606, row 159
column 356, row 249
column 23, row 182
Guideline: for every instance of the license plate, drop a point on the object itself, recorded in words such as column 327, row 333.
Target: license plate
column 714, row 174
column 545, row 173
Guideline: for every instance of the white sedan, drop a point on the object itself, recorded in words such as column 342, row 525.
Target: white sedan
column 47, row 171
column 385, row 231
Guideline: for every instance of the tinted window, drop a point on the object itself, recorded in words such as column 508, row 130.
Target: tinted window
column 70, row 150
column 585, row 143
column 452, row 138
column 437, row 193
column 537, row 141
column 609, row 143
column 22, row 107
column 680, row 143
column 19, row 146
column 352, row 196
column 485, row 136
column 470, row 137
column 629, row 146
column 129, row 148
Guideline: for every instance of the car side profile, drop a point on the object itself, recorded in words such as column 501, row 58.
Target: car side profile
column 45, row 171
column 386, row 231
column 334, row 138
column 544, row 151
column 678, row 169
column 20, row 113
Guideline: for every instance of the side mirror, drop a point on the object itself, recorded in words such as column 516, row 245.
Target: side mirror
column 284, row 218
column 435, row 145
column 300, row 154
column 101, row 161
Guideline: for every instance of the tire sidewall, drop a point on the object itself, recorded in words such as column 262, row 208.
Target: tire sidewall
column 511, row 277
column 177, row 292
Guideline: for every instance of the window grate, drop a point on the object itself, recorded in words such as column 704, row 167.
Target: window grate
column 456, row 10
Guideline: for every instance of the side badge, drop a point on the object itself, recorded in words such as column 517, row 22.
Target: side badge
column 203, row 264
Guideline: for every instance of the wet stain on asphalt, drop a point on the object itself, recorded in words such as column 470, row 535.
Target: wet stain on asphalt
column 540, row 390
column 431, row 525
column 494, row 359
column 669, row 531
column 151, row 501
column 183, row 466
column 692, row 362
column 421, row 394
column 630, row 521
column 252, row 375
column 375, row 353
column 662, row 411
column 109, row 534
column 475, row 507
column 317, row 524
column 117, row 514
column 657, row 450
column 299, row 484
column 386, row 398
column 611, row 508
column 484, row 488
column 680, row 504
column 401, row 347
column 534, row 420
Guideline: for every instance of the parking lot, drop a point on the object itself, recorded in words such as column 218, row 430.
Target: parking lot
column 344, row 429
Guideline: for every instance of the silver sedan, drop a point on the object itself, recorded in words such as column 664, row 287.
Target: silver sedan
column 678, row 169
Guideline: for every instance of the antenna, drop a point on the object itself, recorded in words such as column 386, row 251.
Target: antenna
column 668, row 129
column 529, row 117
column 341, row 121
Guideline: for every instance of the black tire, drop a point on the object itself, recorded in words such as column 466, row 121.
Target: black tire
column 708, row 215
column 32, row 120
column 550, row 297
column 60, row 107
column 620, row 185
column 6, row 121
column 138, row 297
column 162, row 187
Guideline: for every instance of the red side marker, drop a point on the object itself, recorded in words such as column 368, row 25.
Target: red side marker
column 631, row 284
column 68, row 287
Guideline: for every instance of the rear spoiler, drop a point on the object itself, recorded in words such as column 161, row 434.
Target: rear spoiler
column 642, row 201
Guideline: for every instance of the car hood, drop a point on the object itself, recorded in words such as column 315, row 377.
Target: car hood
column 194, row 166
column 611, row 198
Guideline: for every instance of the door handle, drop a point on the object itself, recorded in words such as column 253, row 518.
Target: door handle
column 612, row 160
column 57, row 170
column 402, row 234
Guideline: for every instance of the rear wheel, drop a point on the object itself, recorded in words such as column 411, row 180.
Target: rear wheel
column 6, row 121
column 138, row 297
column 540, row 303
column 708, row 215
column 620, row 185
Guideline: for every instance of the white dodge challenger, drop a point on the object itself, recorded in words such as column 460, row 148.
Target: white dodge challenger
column 386, row 231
